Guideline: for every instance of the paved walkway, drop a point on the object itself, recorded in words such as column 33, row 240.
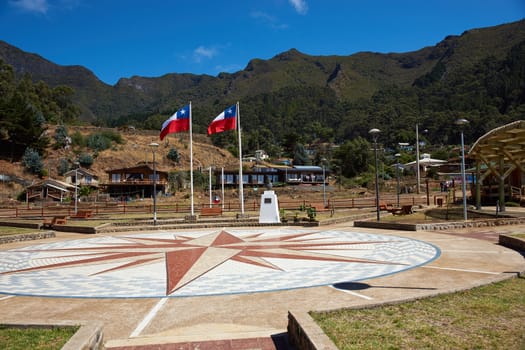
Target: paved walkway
column 236, row 319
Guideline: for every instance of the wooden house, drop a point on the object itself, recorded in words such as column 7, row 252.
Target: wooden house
column 135, row 182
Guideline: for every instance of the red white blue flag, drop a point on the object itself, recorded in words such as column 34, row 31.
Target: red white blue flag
column 224, row 121
column 180, row 121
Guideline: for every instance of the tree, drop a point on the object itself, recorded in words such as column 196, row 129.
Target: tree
column 353, row 156
column 173, row 155
column 299, row 156
column 61, row 137
column 63, row 166
column 85, row 160
column 32, row 161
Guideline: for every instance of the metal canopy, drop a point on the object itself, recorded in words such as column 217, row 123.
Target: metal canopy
column 507, row 141
column 502, row 150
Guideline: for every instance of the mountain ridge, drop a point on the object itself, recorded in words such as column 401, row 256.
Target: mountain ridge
column 352, row 77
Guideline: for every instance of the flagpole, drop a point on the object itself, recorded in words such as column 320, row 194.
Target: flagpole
column 222, row 186
column 209, row 184
column 241, row 193
column 191, row 165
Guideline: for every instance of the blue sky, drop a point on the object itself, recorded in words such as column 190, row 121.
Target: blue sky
column 122, row 38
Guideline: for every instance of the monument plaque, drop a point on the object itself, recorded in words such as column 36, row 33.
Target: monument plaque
column 269, row 212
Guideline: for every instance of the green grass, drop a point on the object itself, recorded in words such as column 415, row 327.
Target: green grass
column 487, row 317
column 34, row 338
column 9, row 230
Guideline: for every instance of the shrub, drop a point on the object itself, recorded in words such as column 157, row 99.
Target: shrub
column 85, row 160
column 32, row 161
column 61, row 137
column 173, row 155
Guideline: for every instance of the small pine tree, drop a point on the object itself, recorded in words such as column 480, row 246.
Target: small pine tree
column 173, row 155
column 61, row 136
column 32, row 161
column 85, row 160
column 63, row 166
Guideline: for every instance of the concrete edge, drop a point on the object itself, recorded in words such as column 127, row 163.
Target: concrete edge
column 305, row 334
column 506, row 221
column 512, row 242
column 90, row 335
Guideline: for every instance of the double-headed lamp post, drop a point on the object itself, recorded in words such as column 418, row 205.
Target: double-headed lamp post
column 461, row 122
column 154, row 146
column 375, row 133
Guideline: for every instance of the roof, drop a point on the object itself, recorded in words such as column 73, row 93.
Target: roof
column 507, row 141
column 80, row 170
column 60, row 185
column 307, row 168
column 137, row 168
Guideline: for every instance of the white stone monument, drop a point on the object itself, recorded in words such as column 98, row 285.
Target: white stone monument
column 269, row 212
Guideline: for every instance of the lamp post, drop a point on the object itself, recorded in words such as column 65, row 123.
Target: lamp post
column 375, row 133
column 397, row 175
column 154, row 146
column 460, row 122
column 76, row 191
column 324, row 182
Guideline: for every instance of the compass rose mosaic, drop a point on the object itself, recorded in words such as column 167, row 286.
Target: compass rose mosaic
column 203, row 263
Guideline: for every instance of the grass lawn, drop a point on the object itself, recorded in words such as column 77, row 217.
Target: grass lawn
column 487, row 317
column 9, row 230
column 34, row 338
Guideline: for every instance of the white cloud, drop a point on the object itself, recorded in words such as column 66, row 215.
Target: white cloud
column 202, row 52
column 300, row 6
column 38, row 6
column 268, row 19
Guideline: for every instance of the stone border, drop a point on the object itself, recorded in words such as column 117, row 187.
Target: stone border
column 440, row 225
column 90, row 335
column 26, row 237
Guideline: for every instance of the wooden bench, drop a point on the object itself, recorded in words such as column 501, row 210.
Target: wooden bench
column 319, row 207
column 55, row 220
column 386, row 207
column 213, row 211
column 404, row 210
column 83, row 214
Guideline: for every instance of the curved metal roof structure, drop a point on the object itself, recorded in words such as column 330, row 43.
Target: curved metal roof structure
column 507, row 141
column 502, row 150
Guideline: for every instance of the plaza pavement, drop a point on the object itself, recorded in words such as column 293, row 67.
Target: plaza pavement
column 468, row 258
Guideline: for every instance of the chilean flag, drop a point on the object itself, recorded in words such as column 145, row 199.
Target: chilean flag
column 224, row 121
column 180, row 121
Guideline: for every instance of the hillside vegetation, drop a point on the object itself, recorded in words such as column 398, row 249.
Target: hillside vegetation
column 293, row 105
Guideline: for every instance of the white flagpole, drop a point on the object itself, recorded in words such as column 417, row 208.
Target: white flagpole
column 241, row 193
column 209, row 180
column 222, row 187
column 191, row 164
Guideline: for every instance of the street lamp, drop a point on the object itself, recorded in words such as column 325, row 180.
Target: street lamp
column 154, row 146
column 76, row 181
column 460, row 122
column 418, row 171
column 375, row 133
column 397, row 174
column 324, row 182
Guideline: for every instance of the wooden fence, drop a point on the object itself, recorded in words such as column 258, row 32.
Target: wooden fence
column 250, row 205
